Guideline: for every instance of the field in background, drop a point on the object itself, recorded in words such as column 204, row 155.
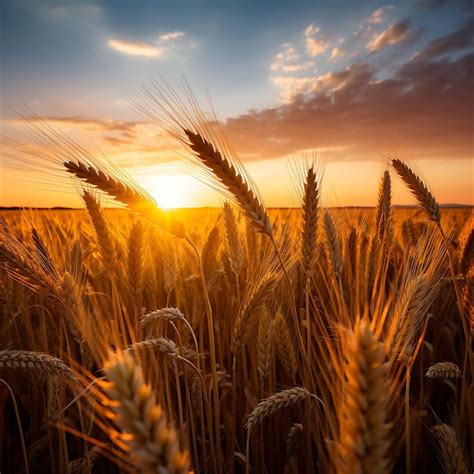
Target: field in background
column 371, row 309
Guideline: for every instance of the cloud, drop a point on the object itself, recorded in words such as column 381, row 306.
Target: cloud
column 426, row 104
column 336, row 54
column 133, row 48
column 314, row 46
column 129, row 143
column 293, row 86
column 435, row 4
column 286, row 60
column 460, row 39
column 172, row 35
column 394, row 34
column 379, row 16
column 144, row 49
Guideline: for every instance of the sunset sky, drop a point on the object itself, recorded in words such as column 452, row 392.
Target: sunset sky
column 357, row 81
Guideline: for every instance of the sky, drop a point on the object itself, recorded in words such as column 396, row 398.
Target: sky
column 352, row 83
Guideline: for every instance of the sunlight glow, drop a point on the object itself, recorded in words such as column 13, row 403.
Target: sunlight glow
column 170, row 190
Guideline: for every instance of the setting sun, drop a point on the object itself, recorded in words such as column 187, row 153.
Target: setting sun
column 171, row 191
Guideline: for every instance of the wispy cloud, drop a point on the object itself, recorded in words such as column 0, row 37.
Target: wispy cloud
column 460, row 39
column 336, row 53
column 129, row 143
column 394, row 34
column 315, row 46
column 380, row 15
column 156, row 49
column 133, row 48
column 172, row 35
column 288, row 60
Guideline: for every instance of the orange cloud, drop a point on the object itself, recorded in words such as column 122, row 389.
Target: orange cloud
column 287, row 60
column 336, row 54
column 314, row 46
column 427, row 104
column 394, row 34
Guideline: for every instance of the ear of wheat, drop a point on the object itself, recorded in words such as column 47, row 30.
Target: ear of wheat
column 364, row 440
column 383, row 217
column 310, row 223
column 285, row 345
column 36, row 361
column 231, row 180
column 164, row 314
column 421, row 192
column 135, row 200
column 444, row 370
column 152, row 443
column 234, row 244
column 452, row 455
column 274, row 403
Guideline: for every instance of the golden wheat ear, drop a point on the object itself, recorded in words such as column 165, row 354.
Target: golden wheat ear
column 274, row 403
column 218, row 164
column 419, row 189
column 383, row 218
column 364, row 439
column 310, row 223
column 152, row 443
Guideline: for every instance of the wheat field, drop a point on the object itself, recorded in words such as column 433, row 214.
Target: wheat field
column 235, row 340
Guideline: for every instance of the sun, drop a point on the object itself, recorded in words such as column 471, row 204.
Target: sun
column 171, row 191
